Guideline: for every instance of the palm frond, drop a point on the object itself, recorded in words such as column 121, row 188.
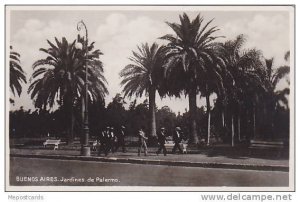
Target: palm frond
column 279, row 74
column 17, row 75
column 61, row 75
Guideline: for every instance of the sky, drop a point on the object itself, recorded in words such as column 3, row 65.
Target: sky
column 117, row 31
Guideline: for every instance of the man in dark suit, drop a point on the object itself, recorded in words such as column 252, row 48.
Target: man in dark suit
column 113, row 139
column 177, row 139
column 162, row 141
column 101, row 143
column 107, row 139
column 121, row 139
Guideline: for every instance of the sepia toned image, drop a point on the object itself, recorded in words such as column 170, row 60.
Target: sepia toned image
column 149, row 98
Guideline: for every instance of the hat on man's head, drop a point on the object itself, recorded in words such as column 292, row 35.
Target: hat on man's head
column 123, row 127
column 162, row 128
column 177, row 128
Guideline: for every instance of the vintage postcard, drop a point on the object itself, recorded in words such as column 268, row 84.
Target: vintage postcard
column 150, row 98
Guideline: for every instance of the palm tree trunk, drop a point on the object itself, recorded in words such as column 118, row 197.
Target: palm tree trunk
column 152, row 92
column 239, row 127
column 223, row 118
column 82, row 120
column 208, row 119
column 239, row 121
column 44, row 133
column 232, row 131
column 254, row 124
column 193, row 113
column 72, row 126
column 68, row 108
column 71, row 131
column 223, row 121
column 273, row 110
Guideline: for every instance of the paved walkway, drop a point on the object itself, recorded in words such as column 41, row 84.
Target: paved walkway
column 190, row 160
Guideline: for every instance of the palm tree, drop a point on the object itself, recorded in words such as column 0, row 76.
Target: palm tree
column 271, row 77
column 61, row 76
column 144, row 75
column 240, row 77
column 211, row 81
column 16, row 74
column 190, row 49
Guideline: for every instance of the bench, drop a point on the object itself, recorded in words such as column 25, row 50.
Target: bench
column 170, row 144
column 52, row 142
column 258, row 144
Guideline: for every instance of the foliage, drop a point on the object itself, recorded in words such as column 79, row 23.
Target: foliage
column 191, row 64
column 145, row 72
column 145, row 75
column 191, row 61
column 61, row 75
column 16, row 73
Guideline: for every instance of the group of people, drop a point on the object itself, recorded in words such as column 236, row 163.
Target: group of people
column 110, row 140
column 162, row 139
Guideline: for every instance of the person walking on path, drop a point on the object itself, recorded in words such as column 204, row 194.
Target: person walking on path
column 113, row 139
column 101, row 143
column 162, row 141
column 142, row 142
column 107, row 140
column 121, row 139
column 177, row 139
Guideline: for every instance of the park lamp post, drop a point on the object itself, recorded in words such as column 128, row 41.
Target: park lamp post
column 85, row 147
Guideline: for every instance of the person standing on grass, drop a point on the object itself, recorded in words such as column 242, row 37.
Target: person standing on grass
column 142, row 142
column 162, row 141
column 177, row 139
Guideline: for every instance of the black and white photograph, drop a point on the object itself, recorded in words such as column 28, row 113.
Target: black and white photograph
column 149, row 98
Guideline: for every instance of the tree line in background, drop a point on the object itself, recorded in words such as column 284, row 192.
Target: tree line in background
column 193, row 64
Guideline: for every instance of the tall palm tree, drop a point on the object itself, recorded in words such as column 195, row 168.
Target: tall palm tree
column 144, row 75
column 61, row 76
column 16, row 73
column 273, row 77
column 190, row 49
column 240, row 77
column 211, row 81
column 273, row 97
